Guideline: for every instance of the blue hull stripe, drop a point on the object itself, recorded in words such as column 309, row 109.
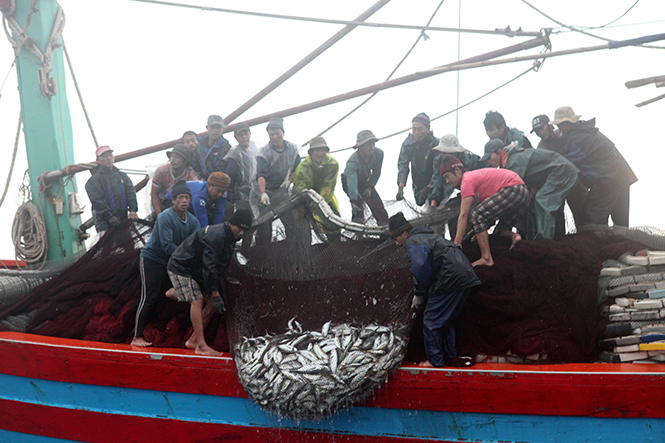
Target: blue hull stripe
column 17, row 437
column 356, row 420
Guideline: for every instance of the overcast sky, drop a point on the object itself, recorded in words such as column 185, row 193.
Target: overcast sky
column 150, row 72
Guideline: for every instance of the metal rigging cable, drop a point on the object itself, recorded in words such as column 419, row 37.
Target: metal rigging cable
column 422, row 33
column 535, row 67
column 78, row 92
column 577, row 29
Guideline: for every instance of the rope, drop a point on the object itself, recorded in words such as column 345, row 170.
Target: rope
column 78, row 92
column 535, row 67
column 29, row 234
column 11, row 166
column 422, row 33
column 22, row 40
column 2, row 88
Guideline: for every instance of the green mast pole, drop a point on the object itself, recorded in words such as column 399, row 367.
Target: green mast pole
column 47, row 128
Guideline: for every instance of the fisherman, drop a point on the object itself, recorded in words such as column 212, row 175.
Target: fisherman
column 171, row 228
column 417, row 152
column 604, row 170
column 276, row 163
column 550, row 138
column 495, row 127
column 548, row 175
column 443, row 279
column 195, row 269
column 502, row 196
column 191, row 140
column 319, row 172
column 208, row 198
column 168, row 174
column 449, row 144
column 360, row 176
column 111, row 192
column 241, row 168
column 212, row 148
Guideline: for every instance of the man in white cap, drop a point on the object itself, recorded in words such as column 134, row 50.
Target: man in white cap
column 360, row 176
column 603, row 169
column 111, row 192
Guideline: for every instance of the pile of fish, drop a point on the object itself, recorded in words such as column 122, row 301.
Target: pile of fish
column 312, row 374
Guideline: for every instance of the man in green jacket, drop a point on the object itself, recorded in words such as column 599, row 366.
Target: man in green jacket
column 319, row 172
column 548, row 175
column 417, row 152
column 360, row 177
column 495, row 127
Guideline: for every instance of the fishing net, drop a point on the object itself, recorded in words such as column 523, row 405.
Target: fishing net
column 319, row 315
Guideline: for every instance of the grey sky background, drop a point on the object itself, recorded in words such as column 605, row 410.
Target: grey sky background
column 149, row 72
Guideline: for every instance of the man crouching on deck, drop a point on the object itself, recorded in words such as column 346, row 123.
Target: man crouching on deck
column 443, row 278
column 194, row 269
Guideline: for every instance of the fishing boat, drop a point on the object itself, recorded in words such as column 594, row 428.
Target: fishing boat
column 59, row 389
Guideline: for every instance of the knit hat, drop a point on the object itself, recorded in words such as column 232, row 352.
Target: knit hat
column 491, row 147
column 179, row 149
column 219, row 179
column 240, row 127
column 449, row 144
column 449, row 163
column 215, row 120
column 241, row 218
column 565, row 114
column 398, row 224
column 317, row 142
column 421, row 118
column 180, row 187
column 363, row 137
column 276, row 122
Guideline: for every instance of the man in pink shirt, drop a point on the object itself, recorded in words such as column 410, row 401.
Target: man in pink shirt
column 501, row 194
column 168, row 174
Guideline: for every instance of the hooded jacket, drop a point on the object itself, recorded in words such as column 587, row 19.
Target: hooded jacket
column 419, row 156
column 111, row 192
column 321, row 178
column 358, row 175
column 210, row 160
column 438, row 265
column 595, row 155
column 204, row 256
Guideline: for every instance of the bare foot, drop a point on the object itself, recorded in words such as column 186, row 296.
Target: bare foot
column 483, row 262
column 516, row 237
column 140, row 341
column 171, row 294
column 426, row 364
column 190, row 343
column 204, row 349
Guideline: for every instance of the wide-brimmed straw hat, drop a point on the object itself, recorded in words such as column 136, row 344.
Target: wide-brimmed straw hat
column 565, row 114
column 363, row 137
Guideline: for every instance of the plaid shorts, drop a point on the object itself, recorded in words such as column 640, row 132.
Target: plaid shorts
column 507, row 205
column 186, row 288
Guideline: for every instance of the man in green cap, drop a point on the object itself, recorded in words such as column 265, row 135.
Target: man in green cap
column 319, row 172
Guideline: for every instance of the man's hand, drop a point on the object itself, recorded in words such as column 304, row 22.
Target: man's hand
column 433, row 203
column 132, row 215
column 357, row 212
column 265, row 199
column 400, row 193
column 285, row 184
column 218, row 303
column 418, row 301
column 114, row 221
column 367, row 193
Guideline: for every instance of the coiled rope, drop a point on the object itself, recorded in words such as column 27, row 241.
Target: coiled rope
column 29, row 234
